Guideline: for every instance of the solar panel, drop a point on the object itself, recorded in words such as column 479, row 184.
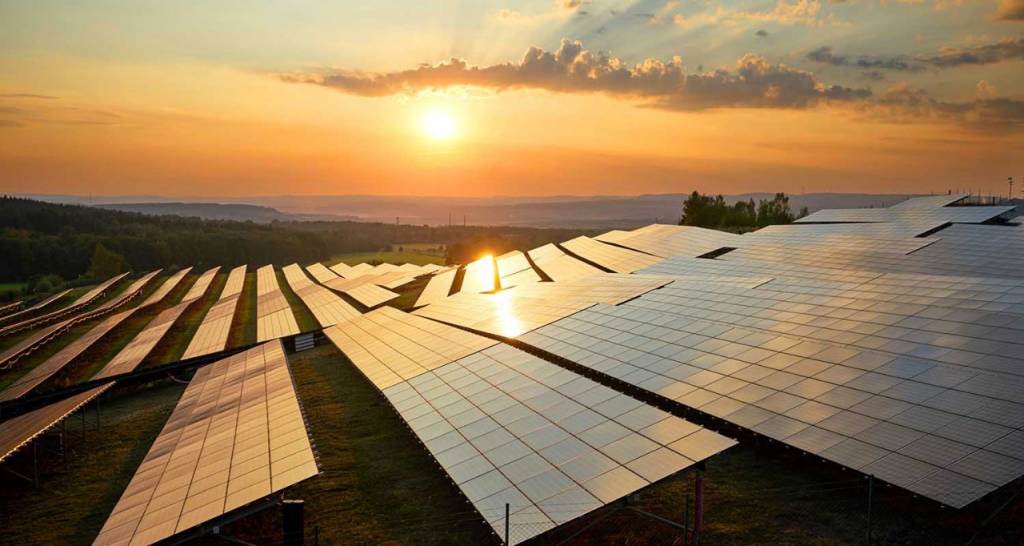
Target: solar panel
column 969, row 215
column 321, row 273
column 48, row 333
column 168, row 285
column 9, row 308
column 479, row 276
column 667, row 240
column 371, row 295
column 523, row 308
column 129, row 357
column 17, row 432
column 212, row 334
column 41, row 305
column 558, row 265
column 274, row 318
column 437, row 288
column 612, row 258
column 879, row 413
column 236, row 436
column 327, row 307
column 55, row 363
column 82, row 301
column 510, row 428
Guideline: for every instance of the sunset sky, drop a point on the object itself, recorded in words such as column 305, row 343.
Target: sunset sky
column 485, row 97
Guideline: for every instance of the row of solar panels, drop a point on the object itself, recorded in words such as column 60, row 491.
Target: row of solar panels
column 912, row 378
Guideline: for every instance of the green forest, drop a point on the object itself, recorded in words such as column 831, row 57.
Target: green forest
column 49, row 243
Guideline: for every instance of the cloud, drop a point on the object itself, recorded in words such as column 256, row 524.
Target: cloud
column 799, row 12
column 27, row 96
column 986, row 111
column 752, row 82
column 1004, row 50
column 1010, row 10
column 950, row 57
column 825, row 55
column 761, row 33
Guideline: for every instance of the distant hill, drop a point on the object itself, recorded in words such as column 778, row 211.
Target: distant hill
column 591, row 212
column 220, row 211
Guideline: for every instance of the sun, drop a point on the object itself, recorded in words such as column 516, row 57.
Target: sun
column 438, row 124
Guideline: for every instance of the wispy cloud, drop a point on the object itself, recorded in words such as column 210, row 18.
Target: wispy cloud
column 1010, row 10
column 948, row 57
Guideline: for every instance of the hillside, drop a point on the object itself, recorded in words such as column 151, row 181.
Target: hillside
column 44, row 238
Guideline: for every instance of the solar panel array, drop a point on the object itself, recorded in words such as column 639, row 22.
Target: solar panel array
column 915, row 214
column 10, row 317
column 437, row 288
column 520, row 309
column 612, row 258
column 212, row 334
column 321, row 273
column 664, row 240
column 274, row 318
column 558, row 265
column 19, row 431
column 236, row 436
column 82, row 301
column 132, row 354
column 327, row 307
column 56, row 362
column 47, row 333
column 510, row 428
column 371, row 295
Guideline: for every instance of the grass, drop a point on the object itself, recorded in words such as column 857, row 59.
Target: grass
column 243, row 325
column 74, row 501
column 10, row 291
column 175, row 342
column 378, row 485
column 303, row 316
column 393, row 257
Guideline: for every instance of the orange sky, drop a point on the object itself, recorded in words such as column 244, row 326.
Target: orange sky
column 113, row 112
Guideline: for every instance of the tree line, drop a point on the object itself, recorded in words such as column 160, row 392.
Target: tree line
column 713, row 212
column 44, row 240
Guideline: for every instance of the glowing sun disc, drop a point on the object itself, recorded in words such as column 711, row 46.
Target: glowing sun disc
column 438, row 124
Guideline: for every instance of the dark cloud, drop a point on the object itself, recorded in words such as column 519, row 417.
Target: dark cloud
column 1005, row 50
column 752, row 82
column 825, row 55
column 761, row 33
column 872, row 75
column 1011, row 10
column 903, row 102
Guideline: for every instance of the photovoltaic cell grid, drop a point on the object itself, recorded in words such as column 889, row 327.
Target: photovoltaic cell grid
column 930, row 201
column 916, row 214
column 55, row 363
column 51, row 331
column 321, row 273
column 371, row 295
column 236, row 436
column 613, row 258
column 665, row 240
column 17, row 432
column 437, row 288
column 212, row 334
column 129, row 358
column 921, row 425
column 390, row 346
column 885, row 237
column 558, row 265
column 274, row 318
column 522, row 308
column 510, row 428
column 327, row 307
column 7, row 309
column 83, row 300
column 41, row 305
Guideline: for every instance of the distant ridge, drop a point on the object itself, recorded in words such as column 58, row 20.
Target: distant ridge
column 598, row 212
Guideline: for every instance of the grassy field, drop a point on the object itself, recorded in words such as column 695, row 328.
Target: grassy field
column 303, row 316
column 243, row 325
column 414, row 253
column 10, row 291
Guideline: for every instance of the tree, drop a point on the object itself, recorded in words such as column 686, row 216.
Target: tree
column 775, row 211
column 106, row 263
